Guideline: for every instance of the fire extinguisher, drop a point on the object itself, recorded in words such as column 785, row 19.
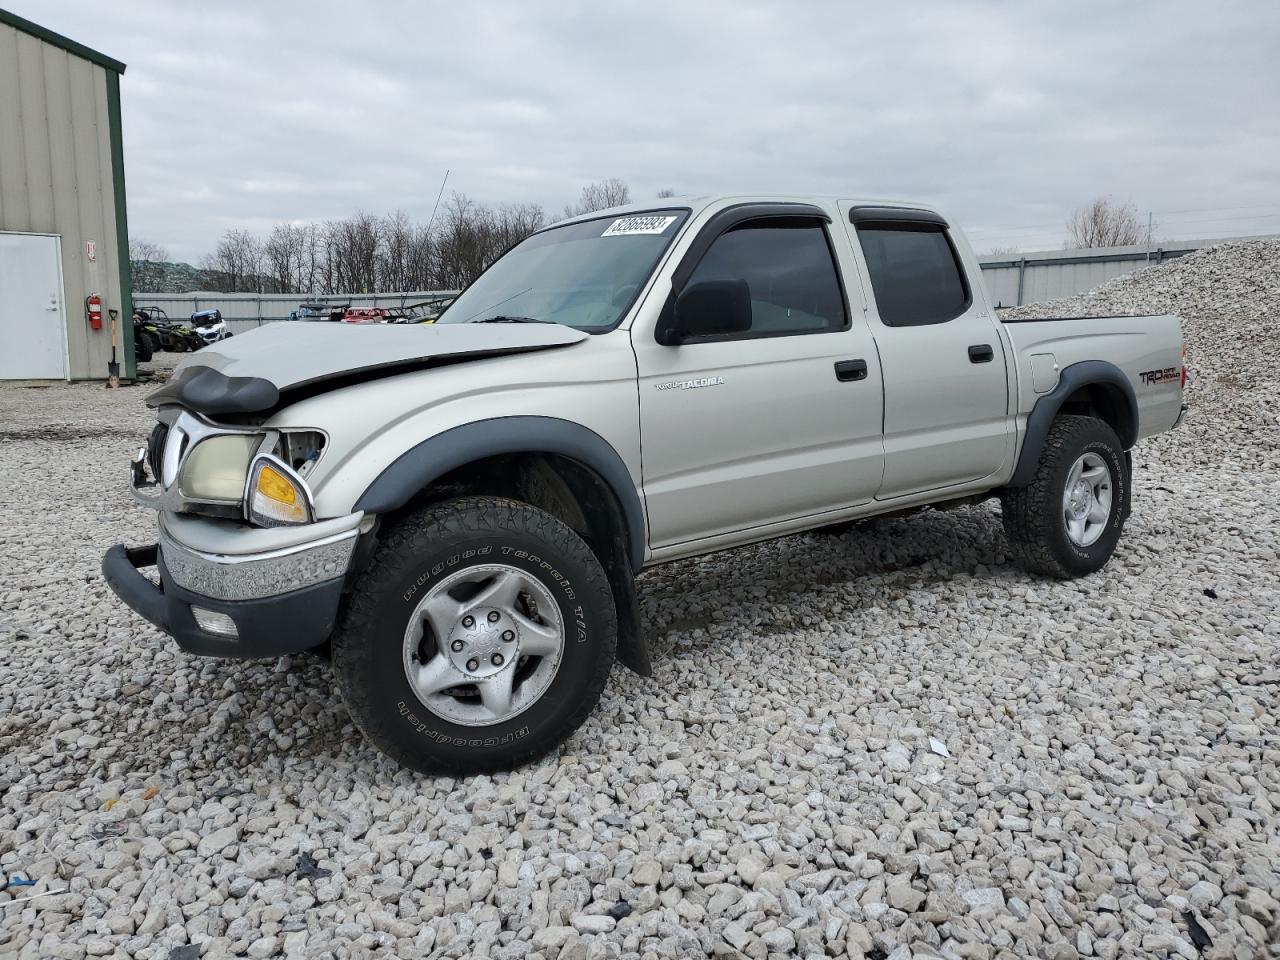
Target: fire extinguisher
column 93, row 310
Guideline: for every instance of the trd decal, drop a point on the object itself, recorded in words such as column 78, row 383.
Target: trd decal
column 1152, row 377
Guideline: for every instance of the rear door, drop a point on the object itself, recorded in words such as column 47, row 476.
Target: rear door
column 946, row 396
column 760, row 427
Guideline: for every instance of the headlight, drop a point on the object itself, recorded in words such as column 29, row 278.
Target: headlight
column 216, row 467
column 277, row 495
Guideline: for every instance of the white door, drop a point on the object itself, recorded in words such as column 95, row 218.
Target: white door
column 33, row 324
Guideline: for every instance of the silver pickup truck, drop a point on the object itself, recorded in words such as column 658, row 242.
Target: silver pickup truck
column 460, row 509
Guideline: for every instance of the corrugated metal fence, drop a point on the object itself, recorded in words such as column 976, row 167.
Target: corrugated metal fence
column 244, row 311
column 1036, row 277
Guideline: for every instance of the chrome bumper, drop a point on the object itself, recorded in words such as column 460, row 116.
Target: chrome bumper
column 230, row 562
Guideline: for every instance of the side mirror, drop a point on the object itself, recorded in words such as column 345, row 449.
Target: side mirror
column 708, row 308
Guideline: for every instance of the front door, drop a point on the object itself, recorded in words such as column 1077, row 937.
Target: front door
column 757, row 427
column 33, row 328
column 946, row 396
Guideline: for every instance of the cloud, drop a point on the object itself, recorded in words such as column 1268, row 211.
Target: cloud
column 1006, row 115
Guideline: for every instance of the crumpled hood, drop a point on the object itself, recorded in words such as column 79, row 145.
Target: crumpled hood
column 250, row 372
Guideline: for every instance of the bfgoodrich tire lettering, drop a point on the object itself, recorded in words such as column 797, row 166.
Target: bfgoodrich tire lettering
column 1033, row 515
column 425, row 549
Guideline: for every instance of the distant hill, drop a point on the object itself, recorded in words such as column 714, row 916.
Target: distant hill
column 150, row 276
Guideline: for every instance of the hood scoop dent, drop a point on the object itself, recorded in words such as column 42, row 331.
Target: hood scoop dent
column 255, row 372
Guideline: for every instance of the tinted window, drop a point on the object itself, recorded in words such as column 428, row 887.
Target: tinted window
column 789, row 270
column 914, row 273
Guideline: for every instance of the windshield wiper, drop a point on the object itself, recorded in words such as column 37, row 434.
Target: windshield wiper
column 504, row 319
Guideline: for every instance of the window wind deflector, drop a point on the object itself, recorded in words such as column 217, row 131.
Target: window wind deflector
column 865, row 215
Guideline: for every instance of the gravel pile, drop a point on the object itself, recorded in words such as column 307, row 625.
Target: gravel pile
column 888, row 743
column 1228, row 297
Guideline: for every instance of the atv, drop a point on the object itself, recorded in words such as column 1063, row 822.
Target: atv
column 210, row 325
column 163, row 333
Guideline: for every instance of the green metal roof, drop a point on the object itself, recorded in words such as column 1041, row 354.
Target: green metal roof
column 58, row 40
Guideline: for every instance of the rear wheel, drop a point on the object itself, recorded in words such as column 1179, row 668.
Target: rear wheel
column 480, row 637
column 142, row 348
column 1066, row 522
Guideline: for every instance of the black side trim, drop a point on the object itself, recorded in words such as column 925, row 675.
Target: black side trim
column 1084, row 374
column 206, row 390
column 895, row 215
column 432, row 458
column 727, row 219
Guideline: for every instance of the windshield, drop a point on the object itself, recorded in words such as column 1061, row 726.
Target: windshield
column 582, row 275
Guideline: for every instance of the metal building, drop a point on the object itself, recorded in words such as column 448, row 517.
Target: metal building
column 1049, row 274
column 63, row 235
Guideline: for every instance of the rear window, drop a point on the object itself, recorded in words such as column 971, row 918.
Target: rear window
column 915, row 273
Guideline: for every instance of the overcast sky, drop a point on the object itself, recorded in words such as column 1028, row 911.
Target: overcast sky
column 1008, row 115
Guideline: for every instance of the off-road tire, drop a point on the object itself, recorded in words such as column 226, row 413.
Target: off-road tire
column 1033, row 515
column 415, row 553
column 142, row 347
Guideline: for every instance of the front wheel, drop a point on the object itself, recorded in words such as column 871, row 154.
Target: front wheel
column 1066, row 522
column 480, row 636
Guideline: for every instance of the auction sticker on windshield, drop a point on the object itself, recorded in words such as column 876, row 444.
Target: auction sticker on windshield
column 630, row 226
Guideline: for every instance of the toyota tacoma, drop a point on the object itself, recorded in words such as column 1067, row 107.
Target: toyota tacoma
column 459, row 510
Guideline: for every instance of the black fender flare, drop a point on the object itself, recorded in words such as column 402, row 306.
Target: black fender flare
column 1086, row 373
column 434, row 457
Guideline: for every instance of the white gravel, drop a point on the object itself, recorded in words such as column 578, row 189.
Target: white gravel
column 890, row 743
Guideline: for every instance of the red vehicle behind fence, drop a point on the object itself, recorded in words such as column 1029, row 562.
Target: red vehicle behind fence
column 366, row 315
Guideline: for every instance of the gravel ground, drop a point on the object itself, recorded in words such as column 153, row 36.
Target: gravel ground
column 888, row 743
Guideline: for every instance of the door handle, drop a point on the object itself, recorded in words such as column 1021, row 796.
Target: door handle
column 847, row 370
column 981, row 353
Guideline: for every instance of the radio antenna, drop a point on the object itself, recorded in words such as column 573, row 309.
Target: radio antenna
column 437, row 206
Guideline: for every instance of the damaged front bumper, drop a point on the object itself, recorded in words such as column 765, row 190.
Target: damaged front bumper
column 227, row 591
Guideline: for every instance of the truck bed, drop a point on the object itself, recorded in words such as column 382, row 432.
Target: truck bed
column 1145, row 348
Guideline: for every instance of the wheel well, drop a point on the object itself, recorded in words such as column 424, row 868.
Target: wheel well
column 576, row 495
column 564, row 488
column 1107, row 403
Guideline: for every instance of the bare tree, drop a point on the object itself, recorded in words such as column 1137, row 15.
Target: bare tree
column 463, row 243
column 368, row 253
column 1104, row 223
column 351, row 253
column 600, row 196
column 235, row 266
column 148, row 262
column 394, row 252
column 513, row 222
column 666, row 192
column 421, row 264
column 285, row 257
